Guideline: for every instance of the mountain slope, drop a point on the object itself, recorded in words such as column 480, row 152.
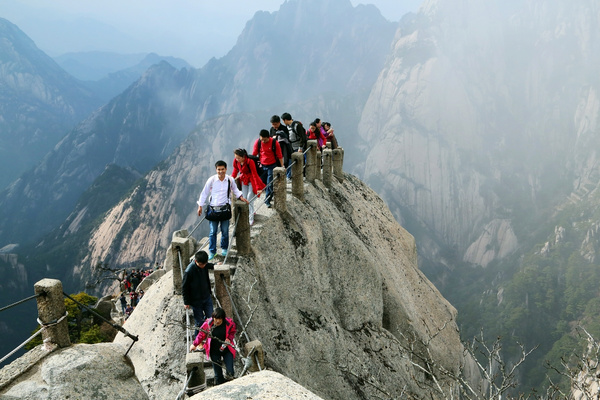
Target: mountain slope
column 135, row 130
column 484, row 124
column 479, row 116
column 116, row 82
column 142, row 125
column 39, row 103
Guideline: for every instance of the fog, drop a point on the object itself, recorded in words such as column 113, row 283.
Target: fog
column 192, row 30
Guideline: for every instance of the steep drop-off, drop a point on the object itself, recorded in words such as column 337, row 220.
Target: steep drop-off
column 333, row 292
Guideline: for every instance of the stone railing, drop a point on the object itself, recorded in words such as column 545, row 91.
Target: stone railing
column 323, row 166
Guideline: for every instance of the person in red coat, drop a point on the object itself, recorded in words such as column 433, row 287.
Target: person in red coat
column 252, row 184
column 269, row 151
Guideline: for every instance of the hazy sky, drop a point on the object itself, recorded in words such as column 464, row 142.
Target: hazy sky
column 167, row 27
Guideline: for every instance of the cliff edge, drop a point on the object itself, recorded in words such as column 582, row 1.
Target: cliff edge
column 333, row 292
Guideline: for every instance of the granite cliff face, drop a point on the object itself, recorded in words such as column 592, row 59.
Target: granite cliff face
column 333, row 292
column 483, row 116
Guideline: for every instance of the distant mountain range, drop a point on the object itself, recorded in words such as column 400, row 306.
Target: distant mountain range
column 39, row 103
column 279, row 64
column 109, row 74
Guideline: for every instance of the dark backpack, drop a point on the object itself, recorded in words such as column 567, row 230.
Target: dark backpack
column 259, row 170
column 300, row 133
column 256, row 160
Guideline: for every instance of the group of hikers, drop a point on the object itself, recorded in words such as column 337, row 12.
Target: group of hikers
column 214, row 330
column 129, row 288
column 272, row 149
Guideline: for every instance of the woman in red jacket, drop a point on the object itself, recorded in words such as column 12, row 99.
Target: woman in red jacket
column 218, row 334
column 314, row 133
column 252, row 184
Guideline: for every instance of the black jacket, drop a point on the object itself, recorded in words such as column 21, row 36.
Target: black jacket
column 196, row 284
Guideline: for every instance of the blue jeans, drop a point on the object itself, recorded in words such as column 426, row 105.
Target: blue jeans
column 202, row 311
column 227, row 358
column 212, row 238
column 249, row 195
column 269, row 189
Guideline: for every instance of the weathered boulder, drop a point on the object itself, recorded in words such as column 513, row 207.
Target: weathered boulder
column 264, row 385
column 106, row 306
column 82, row 371
column 151, row 279
column 159, row 354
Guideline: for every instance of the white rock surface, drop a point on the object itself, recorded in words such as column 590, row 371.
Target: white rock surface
column 264, row 385
column 82, row 371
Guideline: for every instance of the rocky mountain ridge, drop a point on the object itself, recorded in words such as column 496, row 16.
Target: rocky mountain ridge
column 337, row 306
column 143, row 125
column 484, row 130
column 39, row 103
column 332, row 305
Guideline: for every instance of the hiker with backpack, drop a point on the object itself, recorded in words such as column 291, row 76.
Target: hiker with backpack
column 296, row 132
column 269, row 152
column 252, row 184
column 218, row 211
column 280, row 133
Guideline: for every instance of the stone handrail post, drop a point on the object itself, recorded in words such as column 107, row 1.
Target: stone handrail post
column 258, row 355
column 51, row 308
column 338, row 163
column 313, row 164
column 297, row 175
column 327, row 168
column 279, row 189
column 222, row 278
column 184, row 246
column 242, row 230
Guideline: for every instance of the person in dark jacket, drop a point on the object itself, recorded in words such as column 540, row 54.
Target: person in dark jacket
column 123, row 302
column 280, row 132
column 196, row 288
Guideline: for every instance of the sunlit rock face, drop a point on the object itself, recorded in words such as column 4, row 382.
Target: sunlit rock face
column 484, row 111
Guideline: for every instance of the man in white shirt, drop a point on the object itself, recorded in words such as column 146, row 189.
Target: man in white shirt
column 218, row 188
